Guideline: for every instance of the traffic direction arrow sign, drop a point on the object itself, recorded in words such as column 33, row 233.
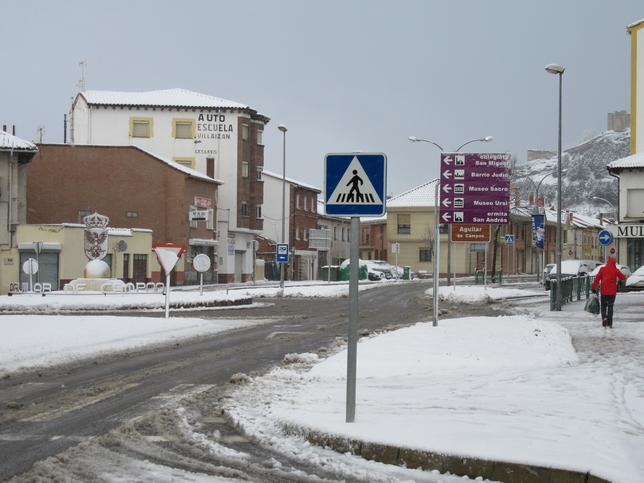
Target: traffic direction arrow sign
column 476, row 188
column 605, row 237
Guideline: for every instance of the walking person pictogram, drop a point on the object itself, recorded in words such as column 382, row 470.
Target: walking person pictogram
column 354, row 188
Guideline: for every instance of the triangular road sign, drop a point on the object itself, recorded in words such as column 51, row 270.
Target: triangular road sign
column 168, row 255
column 354, row 187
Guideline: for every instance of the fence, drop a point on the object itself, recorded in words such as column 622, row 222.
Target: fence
column 572, row 288
column 480, row 276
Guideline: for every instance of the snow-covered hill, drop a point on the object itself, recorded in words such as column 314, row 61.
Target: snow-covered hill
column 586, row 177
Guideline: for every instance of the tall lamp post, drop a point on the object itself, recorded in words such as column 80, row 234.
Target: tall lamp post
column 436, row 274
column 559, row 70
column 282, row 128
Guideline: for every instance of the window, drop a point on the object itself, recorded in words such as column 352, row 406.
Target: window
column 244, row 169
column 297, row 232
column 306, row 234
column 183, row 128
column 244, row 208
column 187, row 162
column 343, row 236
column 404, row 224
column 258, row 212
column 259, row 174
column 365, row 236
column 141, row 127
column 260, row 137
column 425, row 255
column 335, row 232
column 297, row 201
column 210, row 221
column 244, row 131
column 132, row 214
column 305, row 204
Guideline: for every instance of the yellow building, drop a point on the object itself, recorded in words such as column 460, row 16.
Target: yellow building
column 59, row 251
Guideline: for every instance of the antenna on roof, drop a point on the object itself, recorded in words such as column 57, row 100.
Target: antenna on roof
column 40, row 132
column 81, row 82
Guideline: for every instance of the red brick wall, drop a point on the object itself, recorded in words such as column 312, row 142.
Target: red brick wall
column 249, row 189
column 112, row 180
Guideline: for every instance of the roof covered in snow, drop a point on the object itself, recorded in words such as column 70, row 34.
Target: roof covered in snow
column 634, row 161
column 10, row 142
column 419, row 196
column 291, row 181
column 179, row 98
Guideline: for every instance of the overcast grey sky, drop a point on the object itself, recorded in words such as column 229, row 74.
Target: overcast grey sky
column 341, row 75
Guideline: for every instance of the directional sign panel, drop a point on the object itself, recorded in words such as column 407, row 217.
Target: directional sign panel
column 471, row 233
column 475, row 188
column 355, row 184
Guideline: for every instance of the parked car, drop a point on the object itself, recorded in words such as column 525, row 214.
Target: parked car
column 546, row 271
column 571, row 268
column 636, row 280
column 387, row 271
column 621, row 284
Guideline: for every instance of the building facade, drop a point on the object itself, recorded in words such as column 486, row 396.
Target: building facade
column 134, row 189
column 221, row 138
column 301, row 216
column 636, row 31
column 15, row 156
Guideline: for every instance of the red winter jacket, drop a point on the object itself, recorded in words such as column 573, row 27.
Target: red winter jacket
column 608, row 276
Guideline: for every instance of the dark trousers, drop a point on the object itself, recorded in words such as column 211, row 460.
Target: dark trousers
column 607, row 308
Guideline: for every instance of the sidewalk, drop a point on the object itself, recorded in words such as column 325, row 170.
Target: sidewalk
column 502, row 398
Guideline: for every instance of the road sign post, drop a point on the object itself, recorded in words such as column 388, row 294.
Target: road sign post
column 168, row 255
column 355, row 184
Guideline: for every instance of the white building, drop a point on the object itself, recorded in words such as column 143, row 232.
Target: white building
column 636, row 31
column 220, row 138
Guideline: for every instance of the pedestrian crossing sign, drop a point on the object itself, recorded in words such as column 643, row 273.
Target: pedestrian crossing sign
column 355, row 184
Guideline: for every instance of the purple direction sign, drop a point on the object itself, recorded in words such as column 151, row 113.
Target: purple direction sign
column 475, row 188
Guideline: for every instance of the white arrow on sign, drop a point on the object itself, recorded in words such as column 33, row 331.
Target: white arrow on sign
column 447, row 188
column 448, row 160
column 606, row 237
column 447, row 174
column 446, row 217
column 447, row 202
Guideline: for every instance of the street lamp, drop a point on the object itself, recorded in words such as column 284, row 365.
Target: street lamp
column 559, row 70
column 612, row 207
column 282, row 128
column 414, row 139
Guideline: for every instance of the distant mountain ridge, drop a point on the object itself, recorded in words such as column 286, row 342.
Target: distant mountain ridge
column 586, row 177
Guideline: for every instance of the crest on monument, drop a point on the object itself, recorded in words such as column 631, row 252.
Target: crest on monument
column 96, row 236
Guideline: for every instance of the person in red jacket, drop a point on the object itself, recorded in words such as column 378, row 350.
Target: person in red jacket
column 607, row 278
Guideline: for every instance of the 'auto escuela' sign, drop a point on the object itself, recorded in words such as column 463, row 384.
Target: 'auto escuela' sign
column 475, row 188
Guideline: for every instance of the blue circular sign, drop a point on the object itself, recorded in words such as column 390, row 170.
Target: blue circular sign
column 605, row 237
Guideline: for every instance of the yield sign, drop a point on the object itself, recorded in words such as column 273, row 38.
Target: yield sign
column 168, row 255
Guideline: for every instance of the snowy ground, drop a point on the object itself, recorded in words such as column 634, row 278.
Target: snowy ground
column 506, row 388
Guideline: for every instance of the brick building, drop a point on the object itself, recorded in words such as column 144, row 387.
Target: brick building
column 134, row 188
column 221, row 138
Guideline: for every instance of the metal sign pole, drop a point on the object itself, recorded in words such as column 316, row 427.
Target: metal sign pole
column 167, row 295
column 352, row 356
